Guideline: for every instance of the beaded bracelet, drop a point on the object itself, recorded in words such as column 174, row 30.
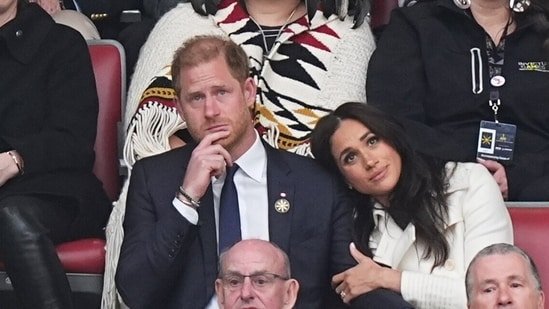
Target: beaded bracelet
column 17, row 162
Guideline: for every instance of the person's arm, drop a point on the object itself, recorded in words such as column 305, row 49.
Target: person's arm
column 397, row 84
column 486, row 221
column 150, row 261
column 67, row 134
column 367, row 284
column 342, row 226
column 366, row 276
column 343, row 262
column 11, row 165
column 350, row 58
column 156, row 245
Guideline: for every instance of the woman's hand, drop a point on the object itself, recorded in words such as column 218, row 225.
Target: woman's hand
column 8, row 168
column 498, row 172
column 362, row 278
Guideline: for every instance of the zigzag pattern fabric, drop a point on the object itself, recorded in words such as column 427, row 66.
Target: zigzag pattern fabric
column 299, row 80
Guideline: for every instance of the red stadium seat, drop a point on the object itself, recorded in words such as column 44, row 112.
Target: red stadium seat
column 531, row 226
column 84, row 259
column 380, row 13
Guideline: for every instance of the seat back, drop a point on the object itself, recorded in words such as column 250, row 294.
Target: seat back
column 531, row 226
column 109, row 68
column 380, row 13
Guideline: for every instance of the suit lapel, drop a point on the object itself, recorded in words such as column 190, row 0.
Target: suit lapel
column 208, row 237
column 281, row 189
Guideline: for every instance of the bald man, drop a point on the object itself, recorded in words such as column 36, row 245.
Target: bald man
column 255, row 273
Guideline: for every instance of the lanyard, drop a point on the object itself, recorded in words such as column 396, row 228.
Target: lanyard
column 496, row 56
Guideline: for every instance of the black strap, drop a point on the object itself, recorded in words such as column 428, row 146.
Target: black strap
column 496, row 57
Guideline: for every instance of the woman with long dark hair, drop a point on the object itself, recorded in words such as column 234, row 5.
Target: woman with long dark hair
column 418, row 221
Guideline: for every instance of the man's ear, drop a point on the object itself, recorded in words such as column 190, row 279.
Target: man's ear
column 290, row 293
column 178, row 107
column 541, row 303
column 219, row 292
column 250, row 91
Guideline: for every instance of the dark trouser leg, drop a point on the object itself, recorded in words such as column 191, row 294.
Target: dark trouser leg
column 27, row 227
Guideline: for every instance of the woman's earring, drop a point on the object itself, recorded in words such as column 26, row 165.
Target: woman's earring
column 519, row 6
column 464, row 4
column 350, row 187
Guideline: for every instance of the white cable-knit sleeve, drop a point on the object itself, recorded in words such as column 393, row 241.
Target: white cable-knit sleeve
column 432, row 291
column 347, row 74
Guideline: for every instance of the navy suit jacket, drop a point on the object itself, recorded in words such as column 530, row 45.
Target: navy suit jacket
column 167, row 262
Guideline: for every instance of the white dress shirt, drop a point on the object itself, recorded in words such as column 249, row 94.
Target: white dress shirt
column 251, row 184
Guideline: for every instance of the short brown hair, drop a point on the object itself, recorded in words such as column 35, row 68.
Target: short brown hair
column 204, row 48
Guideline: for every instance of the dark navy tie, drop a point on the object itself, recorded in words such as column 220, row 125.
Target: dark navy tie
column 229, row 215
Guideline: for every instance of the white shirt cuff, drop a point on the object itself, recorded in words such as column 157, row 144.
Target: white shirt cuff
column 187, row 212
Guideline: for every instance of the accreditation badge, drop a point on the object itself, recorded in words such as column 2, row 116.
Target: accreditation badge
column 496, row 140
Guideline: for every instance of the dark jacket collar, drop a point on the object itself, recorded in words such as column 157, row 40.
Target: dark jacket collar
column 449, row 4
column 523, row 20
column 26, row 32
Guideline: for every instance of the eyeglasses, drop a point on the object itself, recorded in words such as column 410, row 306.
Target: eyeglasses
column 234, row 281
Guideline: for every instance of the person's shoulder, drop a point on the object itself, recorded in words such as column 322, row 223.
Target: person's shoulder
column 293, row 158
column 182, row 10
column 65, row 38
column 185, row 20
column 301, row 166
column 464, row 174
column 52, row 38
column 77, row 21
column 464, row 168
column 66, row 31
column 472, row 168
column 164, row 159
column 424, row 9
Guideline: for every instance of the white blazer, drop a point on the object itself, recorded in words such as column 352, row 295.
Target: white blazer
column 477, row 218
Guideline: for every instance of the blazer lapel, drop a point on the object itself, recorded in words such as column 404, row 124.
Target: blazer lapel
column 394, row 243
column 208, row 237
column 406, row 240
column 280, row 189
